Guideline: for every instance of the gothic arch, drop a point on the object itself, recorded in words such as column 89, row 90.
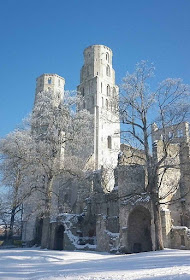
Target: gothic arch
column 139, row 230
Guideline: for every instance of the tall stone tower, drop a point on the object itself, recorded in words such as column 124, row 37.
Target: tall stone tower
column 97, row 86
column 52, row 87
column 53, row 83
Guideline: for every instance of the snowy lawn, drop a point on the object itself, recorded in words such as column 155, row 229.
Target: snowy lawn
column 57, row 265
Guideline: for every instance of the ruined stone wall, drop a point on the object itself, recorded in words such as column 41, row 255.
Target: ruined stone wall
column 173, row 134
column 185, row 183
column 174, row 180
column 130, row 155
column 169, row 179
column 180, row 237
column 133, row 197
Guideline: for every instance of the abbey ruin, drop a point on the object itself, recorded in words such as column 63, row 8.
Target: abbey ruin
column 115, row 214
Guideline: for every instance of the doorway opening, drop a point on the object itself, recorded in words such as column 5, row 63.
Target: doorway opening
column 59, row 238
column 139, row 230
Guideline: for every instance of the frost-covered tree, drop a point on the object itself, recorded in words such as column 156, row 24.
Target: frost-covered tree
column 57, row 145
column 140, row 107
column 63, row 138
column 15, row 167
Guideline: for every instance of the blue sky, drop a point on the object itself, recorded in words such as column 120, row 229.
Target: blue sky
column 45, row 36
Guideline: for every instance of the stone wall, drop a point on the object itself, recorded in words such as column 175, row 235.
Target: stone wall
column 180, row 237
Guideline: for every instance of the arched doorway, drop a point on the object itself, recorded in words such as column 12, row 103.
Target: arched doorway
column 139, row 230
column 59, row 238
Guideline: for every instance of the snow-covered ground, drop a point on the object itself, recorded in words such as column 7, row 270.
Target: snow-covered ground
column 57, row 265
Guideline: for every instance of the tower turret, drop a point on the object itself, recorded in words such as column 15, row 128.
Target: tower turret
column 53, row 83
column 97, row 86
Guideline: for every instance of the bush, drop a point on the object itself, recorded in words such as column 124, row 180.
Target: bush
column 17, row 243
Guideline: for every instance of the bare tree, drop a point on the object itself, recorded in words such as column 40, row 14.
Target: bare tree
column 14, row 167
column 139, row 108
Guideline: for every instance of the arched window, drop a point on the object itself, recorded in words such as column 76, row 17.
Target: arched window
column 102, row 102
column 109, row 142
column 108, row 90
column 101, row 87
column 59, row 83
column 49, row 81
column 107, row 57
column 107, row 104
column 108, row 70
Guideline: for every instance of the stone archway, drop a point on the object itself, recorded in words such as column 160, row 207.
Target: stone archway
column 139, row 230
column 59, row 238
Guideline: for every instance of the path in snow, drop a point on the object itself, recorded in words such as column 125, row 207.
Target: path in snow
column 65, row 265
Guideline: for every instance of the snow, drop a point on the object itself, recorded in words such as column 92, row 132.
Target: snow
column 69, row 220
column 56, row 265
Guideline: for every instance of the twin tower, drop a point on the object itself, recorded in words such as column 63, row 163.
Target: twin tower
column 100, row 95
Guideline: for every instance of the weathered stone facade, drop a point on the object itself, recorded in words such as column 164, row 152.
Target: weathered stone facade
column 116, row 215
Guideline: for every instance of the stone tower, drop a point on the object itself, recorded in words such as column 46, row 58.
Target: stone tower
column 52, row 82
column 97, row 86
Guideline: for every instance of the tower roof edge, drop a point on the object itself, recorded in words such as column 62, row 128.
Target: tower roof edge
column 94, row 46
column 50, row 74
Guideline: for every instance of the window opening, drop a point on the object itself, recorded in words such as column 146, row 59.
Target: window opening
column 108, row 70
column 102, row 102
column 109, row 142
column 82, row 91
column 170, row 135
column 49, row 81
column 106, row 104
column 107, row 57
column 108, row 90
column 180, row 133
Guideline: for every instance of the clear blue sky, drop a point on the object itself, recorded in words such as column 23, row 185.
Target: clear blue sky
column 45, row 36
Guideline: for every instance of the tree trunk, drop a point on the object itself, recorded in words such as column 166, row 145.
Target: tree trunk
column 46, row 219
column 158, row 225
column 45, row 232
column 10, row 235
column 154, row 191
